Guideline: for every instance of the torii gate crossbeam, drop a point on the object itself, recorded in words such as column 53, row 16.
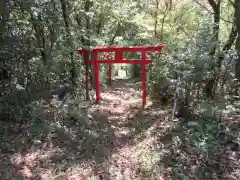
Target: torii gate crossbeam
column 119, row 58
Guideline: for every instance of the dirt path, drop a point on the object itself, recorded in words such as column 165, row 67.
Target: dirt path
column 117, row 141
column 130, row 124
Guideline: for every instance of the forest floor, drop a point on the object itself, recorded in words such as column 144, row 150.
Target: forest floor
column 117, row 139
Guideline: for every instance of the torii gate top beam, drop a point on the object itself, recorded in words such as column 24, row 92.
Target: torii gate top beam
column 123, row 49
column 119, row 58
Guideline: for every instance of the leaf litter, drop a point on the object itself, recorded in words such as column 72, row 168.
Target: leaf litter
column 121, row 141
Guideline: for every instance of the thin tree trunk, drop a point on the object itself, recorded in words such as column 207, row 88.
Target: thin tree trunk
column 85, row 40
column 237, row 16
column 216, row 19
column 66, row 19
column 176, row 96
column 210, row 85
column 115, row 35
column 5, row 15
column 156, row 19
column 100, row 24
column 226, row 47
column 163, row 20
column 87, row 43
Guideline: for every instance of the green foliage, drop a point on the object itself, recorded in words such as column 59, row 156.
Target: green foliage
column 39, row 39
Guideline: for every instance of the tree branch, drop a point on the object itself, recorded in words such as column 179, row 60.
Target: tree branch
column 231, row 38
column 213, row 4
column 212, row 12
column 232, row 2
column 115, row 35
column 227, row 45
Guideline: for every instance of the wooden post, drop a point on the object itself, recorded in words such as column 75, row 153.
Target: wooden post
column 151, row 81
column 109, row 75
column 119, row 59
column 144, row 91
column 96, row 72
column 86, row 59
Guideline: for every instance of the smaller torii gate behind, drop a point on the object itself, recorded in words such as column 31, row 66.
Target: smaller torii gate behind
column 119, row 58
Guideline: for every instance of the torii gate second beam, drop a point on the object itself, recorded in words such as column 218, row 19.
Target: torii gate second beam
column 119, row 53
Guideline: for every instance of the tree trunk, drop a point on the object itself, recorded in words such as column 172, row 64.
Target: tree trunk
column 87, row 43
column 210, row 85
column 156, row 19
column 85, row 40
column 5, row 10
column 5, row 15
column 66, row 19
column 237, row 16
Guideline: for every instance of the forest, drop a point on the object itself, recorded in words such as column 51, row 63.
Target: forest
column 51, row 128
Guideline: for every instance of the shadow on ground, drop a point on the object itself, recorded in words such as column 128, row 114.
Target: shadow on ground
column 116, row 138
column 193, row 151
column 40, row 149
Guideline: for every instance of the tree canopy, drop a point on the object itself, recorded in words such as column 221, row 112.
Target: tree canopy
column 46, row 87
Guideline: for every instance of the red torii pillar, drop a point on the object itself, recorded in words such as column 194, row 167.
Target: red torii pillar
column 119, row 53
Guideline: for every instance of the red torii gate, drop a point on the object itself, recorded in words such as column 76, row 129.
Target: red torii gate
column 119, row 58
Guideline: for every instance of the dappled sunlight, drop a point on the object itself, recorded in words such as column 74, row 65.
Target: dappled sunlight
column 122, row 132
column 120, row 90
column 122, row 106
column 111, row 139
column 116, row 138
column 30, row 164
column 76, row 173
